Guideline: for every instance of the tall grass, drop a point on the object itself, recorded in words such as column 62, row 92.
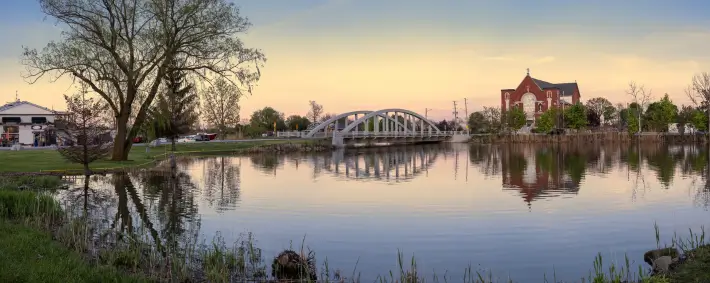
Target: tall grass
column 28, row 206
column 30, row 182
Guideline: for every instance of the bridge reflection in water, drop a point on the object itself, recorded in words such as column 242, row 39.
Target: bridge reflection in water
column 381, row 163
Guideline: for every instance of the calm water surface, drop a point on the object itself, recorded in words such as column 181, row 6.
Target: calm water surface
column 516, row 210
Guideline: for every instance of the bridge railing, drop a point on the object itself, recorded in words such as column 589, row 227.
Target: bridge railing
column 302, row 134
column 417, row 134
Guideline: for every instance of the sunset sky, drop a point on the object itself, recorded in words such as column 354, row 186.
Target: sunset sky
column 418, row 54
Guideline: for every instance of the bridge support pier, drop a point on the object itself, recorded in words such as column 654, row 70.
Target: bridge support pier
column 338, row 140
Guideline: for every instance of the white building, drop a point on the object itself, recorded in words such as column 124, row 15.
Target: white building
column 25, row 122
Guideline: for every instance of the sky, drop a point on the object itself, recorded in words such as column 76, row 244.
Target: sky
column 421, row 54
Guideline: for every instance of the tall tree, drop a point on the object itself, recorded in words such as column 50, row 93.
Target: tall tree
column 684, row 118
column 641, row 97
column 515, row 118
column 477, row 123
column 296, row 122
column 122, row 50
column 83, row 127
column 174, row 113
column 661, row 113
column 576, row 116
column 547, row 120
column 601, row 107
column 266, row 118
column 699, row 94
column 315, row 111
column 220, row 105
column 493, row 116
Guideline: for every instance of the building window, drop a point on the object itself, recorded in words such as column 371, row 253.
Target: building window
column 507, row 95
column 39, row 120
column 529, row 101
column 7, row 120
column 549, row 94
column 540, row 107
column 10, row 135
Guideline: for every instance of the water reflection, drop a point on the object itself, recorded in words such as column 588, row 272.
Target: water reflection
column 432, row 198
column 222, row 182
column 384, row 164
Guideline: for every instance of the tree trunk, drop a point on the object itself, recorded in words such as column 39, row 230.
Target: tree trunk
column 87, row 171
column 172, row 144
column 119, row 142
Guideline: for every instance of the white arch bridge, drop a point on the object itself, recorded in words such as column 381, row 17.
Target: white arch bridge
column 386, row 126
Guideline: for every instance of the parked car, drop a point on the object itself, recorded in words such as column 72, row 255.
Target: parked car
column 201, row 137
column 186, row 139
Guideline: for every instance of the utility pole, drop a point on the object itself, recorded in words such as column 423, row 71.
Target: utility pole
column 426, row 113
column 465, row 109
column 456, row 113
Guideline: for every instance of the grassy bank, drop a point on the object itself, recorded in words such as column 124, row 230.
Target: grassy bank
column 29, row 254
column 51, row 160
column 41, row 244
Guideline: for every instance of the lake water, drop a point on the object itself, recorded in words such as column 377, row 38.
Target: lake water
column 518, row 211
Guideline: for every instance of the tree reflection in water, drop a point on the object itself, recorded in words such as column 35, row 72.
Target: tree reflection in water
column 222, row 183
column 542, row 171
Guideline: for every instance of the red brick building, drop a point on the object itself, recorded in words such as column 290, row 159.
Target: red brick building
column 536, row 96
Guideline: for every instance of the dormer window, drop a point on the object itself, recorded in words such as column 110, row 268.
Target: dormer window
column 11, row 120
column 39, row 120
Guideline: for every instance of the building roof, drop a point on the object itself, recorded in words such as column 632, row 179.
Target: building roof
column 18, row 103
column 566, row 88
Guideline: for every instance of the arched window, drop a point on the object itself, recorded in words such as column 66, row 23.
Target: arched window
column 507, row 95
column 540, row 108
column 549, row 94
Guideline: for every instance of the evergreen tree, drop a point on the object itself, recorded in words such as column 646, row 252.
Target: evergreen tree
column 175, row 109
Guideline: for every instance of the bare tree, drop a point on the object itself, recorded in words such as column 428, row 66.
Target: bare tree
column 327, row 116
column 220, row 105
column 83, row 128
column 315, row 111
column 640, row 96
column 699, row 92
column 122, row 49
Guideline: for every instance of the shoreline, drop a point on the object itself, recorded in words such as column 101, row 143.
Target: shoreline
column 589, row 137
column 37, row 163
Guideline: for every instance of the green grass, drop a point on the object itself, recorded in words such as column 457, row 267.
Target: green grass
column 30, row 255
column 696, row 269
column 50, row 160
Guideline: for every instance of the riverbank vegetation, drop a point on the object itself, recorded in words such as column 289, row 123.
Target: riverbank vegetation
column 43, row 239
column 140, row 156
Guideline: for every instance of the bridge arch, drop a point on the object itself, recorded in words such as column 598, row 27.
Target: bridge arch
column 383, row 112
column 326, row 123
column 323, row 125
